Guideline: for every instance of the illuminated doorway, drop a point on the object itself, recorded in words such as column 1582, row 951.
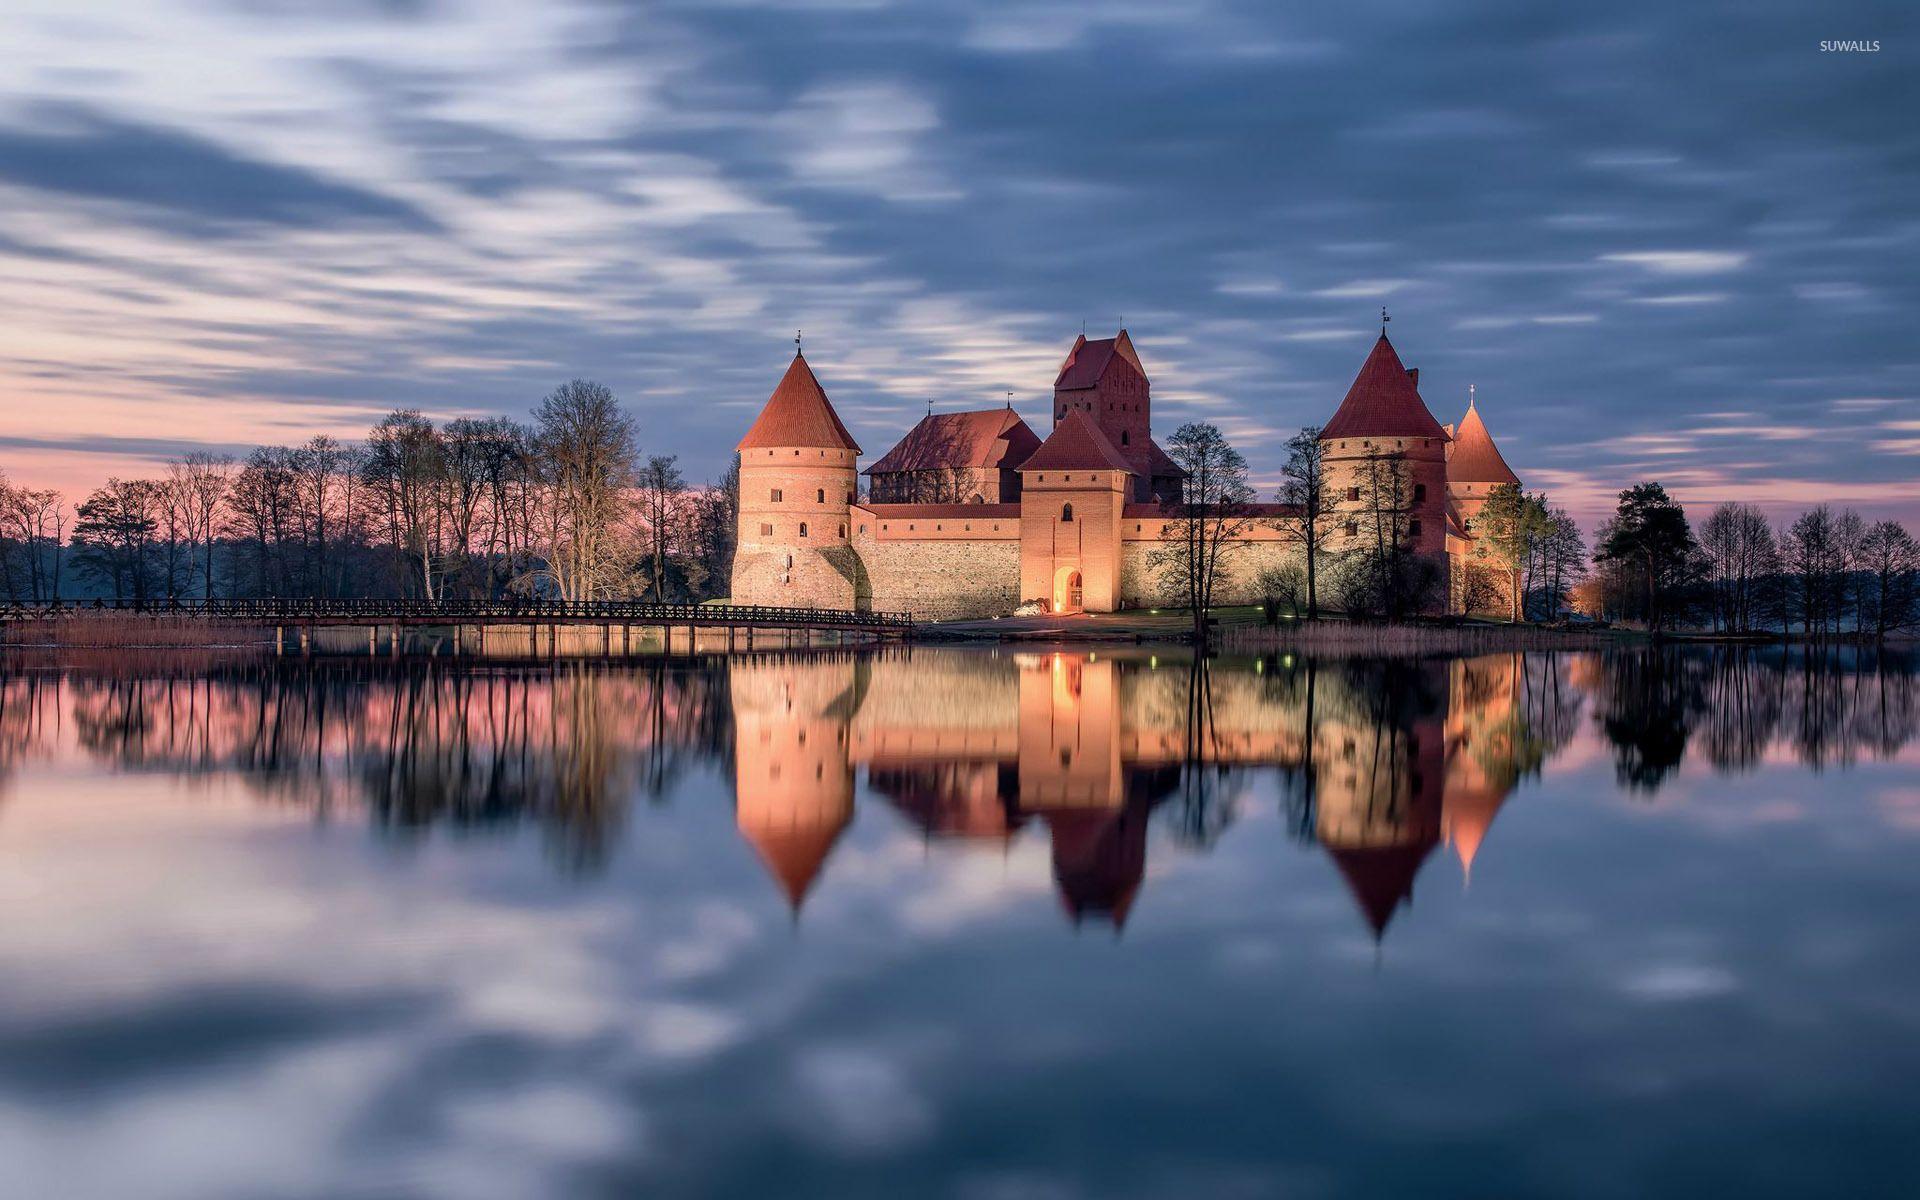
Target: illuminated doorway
column 1066, row 591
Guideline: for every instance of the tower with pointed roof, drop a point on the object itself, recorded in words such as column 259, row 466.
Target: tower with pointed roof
column 1475, row 467
column 1103, row 380
column 793, row 779
column 1386, row 464
column 797, row 487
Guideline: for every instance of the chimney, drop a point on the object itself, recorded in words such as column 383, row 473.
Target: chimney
column 1413, row 376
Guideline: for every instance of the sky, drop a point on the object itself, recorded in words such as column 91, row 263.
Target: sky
column 1667, row 241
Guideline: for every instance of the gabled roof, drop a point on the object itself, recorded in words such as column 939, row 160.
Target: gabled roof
column 798, row 414
column 1087, row 361
column 1076, row 444
column 991, row 437
column 1383, row 402
column 1475, row 459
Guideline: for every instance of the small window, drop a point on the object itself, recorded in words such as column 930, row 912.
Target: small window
column 1123, row 437
column 766, row 530
column 849, row 497
column 777, row 496
column 1413, row 528
column 803, row 529
column 819, row 495
column 1067, row 478
column 1419, row 492
column 1063, row 413
column 1353, row 529
column 843, row 531
column 1353, row 493
column 1066, row 512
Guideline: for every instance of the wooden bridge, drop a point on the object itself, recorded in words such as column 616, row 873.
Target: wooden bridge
column 468, row 620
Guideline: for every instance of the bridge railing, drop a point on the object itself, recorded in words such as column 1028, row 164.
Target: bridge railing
column 635, row 612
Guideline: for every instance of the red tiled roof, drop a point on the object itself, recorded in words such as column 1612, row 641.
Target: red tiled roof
column 932, row 511
column 1161, row 464
column 1087, row 361
column 795, row 855
column 1475, row 459
column 1383, row 402
column 798, row 414
column 991, row 437
column 1076, row 444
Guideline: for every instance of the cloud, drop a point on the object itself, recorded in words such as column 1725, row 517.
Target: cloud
column 1681, row 262
column 182, row 181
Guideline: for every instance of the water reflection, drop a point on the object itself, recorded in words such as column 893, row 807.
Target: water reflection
column 1379, row 763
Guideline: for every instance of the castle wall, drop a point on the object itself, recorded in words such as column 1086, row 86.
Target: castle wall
column 938, row 562
column 1241, row 562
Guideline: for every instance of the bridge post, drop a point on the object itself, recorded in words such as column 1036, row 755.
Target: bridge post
column 373, row 637
column 626, row 639
column 279, row 640
column 393, row 640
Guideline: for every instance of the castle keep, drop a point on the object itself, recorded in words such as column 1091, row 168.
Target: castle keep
column 972, row 514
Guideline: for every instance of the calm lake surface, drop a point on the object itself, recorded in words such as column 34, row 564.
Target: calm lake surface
column 961, row 923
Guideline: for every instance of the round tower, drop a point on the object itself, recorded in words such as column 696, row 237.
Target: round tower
column 798, row 472
column 1386, row 462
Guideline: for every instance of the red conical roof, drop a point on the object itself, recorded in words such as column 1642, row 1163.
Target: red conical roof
column 1475, row 459
column 798, row 414
column 1381, row 877
column 1383, row 402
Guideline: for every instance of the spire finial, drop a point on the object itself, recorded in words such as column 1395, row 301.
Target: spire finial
column 1009, row 400
column 929, row 405
column 1384, row 318
column 1469, row 397
column 796, row 343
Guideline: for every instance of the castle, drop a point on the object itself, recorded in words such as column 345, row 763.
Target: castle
column 972, row 514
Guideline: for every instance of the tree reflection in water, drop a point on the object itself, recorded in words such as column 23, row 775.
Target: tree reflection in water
column 1379, row 761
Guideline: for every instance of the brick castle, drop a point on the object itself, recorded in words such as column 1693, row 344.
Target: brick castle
column 972, row 514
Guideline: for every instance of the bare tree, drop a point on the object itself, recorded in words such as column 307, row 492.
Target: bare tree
column 587, row 446
column 1310, row 521
column 406, row 464
column 1742, row 555
column 1890, row 560
column 662, row 502
column 1210, row 518
column 202, row 480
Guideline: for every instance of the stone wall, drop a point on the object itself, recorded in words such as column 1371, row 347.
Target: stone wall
column 1240, row 564
column 939, row 579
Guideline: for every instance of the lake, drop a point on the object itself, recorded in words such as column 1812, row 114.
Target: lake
column 963, row 923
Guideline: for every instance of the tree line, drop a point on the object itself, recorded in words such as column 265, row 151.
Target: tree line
column 562, row 506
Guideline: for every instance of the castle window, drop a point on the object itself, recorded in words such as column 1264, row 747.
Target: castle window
column 819, row 495
column 1413, row 528
column 863, row 529
column 1063, row 413
column 766, row 530
column 1419, row 492
column 1067, row 478
column 796, row 454
column 938, row 528
column 843, row 531
column 1066, row 512
column 776, row 496
column 1353, row 493
column 1353, row 529
column 849, row 497
column 1123, row 437
column 803, row 529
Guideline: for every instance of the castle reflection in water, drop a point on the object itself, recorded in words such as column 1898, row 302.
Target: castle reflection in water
column 1380, row 763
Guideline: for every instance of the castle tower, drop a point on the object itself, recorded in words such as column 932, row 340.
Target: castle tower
column 1073, row 493
column 793, row 778
column 1474, row 468
column 797, row 479
column 1386, row 461
column 1104, row 380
